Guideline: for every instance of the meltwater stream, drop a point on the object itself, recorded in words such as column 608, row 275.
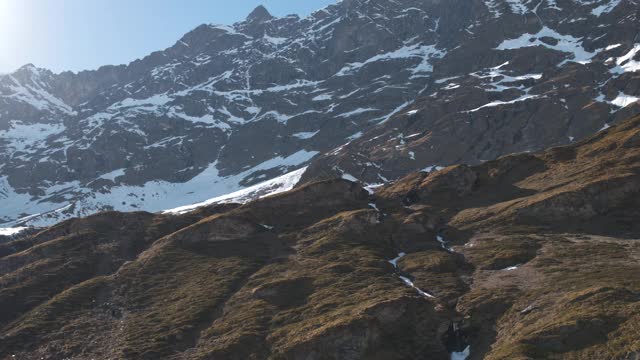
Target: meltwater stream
column 405, row 279
column 455, row 355
column 459, row 338
column 463, row 355
column 394, row 262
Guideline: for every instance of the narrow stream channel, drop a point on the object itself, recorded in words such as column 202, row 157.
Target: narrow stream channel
column 456, row 342
column 405, row 279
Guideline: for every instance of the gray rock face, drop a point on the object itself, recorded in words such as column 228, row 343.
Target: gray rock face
column 515, row 77
column 407, row 84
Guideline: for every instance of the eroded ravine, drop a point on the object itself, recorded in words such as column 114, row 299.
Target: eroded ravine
column 457, row 341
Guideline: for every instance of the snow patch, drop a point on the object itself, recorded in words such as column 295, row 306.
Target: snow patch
column 511, row 268
column 113, row 175
column 152, row 196
column 305, row 135
column 395, row 260
column 605, row 8
column 405, row 279
column 623, row 100
column 566, row 44
column 499, row 80
column 386, row 118
column 432, row 168
column 150, row 103
column 463, row 355
column 499, row 102
column 518, row 7
column 274, row 40
column 12, row 231
column 355, row 136
column 371, row 189
column 443, row 243
column 22, row 137
column 411, row 284
column 422, row 52
column 275, row 186
column 356, row 112
column 626, row 63
column 349, row 177
column 322, row 97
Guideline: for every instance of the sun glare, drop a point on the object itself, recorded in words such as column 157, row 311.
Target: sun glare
column 6, row 14
column 10, row 33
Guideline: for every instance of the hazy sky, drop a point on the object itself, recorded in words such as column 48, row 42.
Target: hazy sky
column 84, row 34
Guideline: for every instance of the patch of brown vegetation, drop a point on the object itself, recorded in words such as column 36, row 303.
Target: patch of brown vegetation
column 542, row 266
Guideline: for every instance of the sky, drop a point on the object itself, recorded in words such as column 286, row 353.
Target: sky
column 84, row 34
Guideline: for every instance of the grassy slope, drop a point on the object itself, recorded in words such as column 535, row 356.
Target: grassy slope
column 305, row 274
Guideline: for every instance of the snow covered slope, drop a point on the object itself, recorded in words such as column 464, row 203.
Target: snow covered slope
column 11, row 231
column 278, row 185
column 226, row 107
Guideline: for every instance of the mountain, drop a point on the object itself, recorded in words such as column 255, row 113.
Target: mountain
column 368, row 89
column 530, row 256
column 515, row 76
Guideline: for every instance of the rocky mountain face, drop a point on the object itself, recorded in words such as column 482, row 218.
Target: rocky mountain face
column 530, row 256
column 367, row 89
column 514, row 77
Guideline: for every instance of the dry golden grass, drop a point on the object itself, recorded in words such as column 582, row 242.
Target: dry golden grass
column 305, row 274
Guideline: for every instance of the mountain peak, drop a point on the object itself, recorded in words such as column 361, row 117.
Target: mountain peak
column 27, row 70
column 260, row 14
column 28, row 67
